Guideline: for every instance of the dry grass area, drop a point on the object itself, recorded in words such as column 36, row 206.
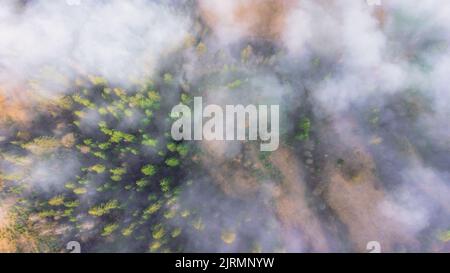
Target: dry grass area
column 291, row 205
column 6, row 242
column 12, row 240
column 14, row 109
column 302, row 228
column 262, row 19
column 356, row 205
column 16, row 236
column 354, row 194
column 228, row 170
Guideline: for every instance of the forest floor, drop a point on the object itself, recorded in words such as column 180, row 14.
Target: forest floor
column 7, row 243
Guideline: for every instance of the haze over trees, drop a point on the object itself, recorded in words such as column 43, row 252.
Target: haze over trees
column 86, row 152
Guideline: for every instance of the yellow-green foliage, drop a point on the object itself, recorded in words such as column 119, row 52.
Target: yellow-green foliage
column 246, row 53
column 72, row 204
column 172, row 147
column 128, row 230
column 105, row 208
column 153, row 96
column 141, row 183
column 47, row 213
column 445, row 236
column 149, row 141
column 115, row 136
column 155, row 246
column 182, row 150
column 201, row 48
column 102, row 111
column 79, row 191
column 165, row 184
column 198, row 224
column 305, row 128
column 235, row 84
column 186, row 99
column 158, row 232
column 56, row 201
column 152, row 208
column 42, row 145
column 176, row 232
column 70, row 186
column 117, row 173
column 172, row 162
column 64, row 102
column 168, row 78
column 148, row 170
column 17, row 160
column 96, row 80
column 83, row 101
column 185, row 213
column 170, row 213
column 228, row 236
column 104, row 146
column 108, row 229
column 98, row 168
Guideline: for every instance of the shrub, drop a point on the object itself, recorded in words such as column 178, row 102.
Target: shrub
column 98, row 168
column 148, row 170
column 109, row 229
column 172, row 162
column 103, row 209
column 56, row 201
